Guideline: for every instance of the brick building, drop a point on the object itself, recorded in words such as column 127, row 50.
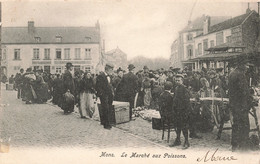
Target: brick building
column 215, row 44
column 50, row 48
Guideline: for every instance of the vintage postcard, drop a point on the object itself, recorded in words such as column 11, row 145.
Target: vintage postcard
column 129, row 81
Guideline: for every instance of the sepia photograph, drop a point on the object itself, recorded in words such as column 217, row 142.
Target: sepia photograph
column 129, row 81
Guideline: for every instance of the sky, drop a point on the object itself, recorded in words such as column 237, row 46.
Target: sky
column 138, row 27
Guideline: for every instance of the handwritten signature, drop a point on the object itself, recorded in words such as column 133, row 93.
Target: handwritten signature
column 215, row 157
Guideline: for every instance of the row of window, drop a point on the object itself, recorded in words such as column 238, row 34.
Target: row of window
column 219, row 40
column 58, row 53
column 59, row 39
column 58, row 69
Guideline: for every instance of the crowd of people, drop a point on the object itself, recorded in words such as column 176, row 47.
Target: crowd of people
column 168, row 91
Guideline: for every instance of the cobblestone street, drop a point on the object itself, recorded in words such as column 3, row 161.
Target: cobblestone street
column 36, row 128
column 45, row 125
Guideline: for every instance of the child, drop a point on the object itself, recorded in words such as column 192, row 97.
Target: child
column 165, row 104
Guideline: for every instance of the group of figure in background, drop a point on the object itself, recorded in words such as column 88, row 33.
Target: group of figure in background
column 168, row 91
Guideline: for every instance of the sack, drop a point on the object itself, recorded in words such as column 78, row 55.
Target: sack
column 68, row 97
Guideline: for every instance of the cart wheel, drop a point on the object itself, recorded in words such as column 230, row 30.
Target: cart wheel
column 206, row 122
column 217, row 115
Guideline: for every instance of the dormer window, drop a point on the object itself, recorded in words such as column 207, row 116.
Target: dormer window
column 88, row 39
column 37, row 39
column 58, row 39
column 189, row 37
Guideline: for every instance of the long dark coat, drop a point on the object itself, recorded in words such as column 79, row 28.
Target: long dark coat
column 57, row 91
column 68, row 82
column 181, row 106
column 239, row 101
column 105, row 93
column 130, row 84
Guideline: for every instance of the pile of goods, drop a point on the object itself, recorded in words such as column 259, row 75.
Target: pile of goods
column 146, row 114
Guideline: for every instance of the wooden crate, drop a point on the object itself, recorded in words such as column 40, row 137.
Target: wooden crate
column 119, row 113
column 121, row 110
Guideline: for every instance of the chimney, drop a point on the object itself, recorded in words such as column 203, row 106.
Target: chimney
column 97, row 25
column 248, row 8
column 31, row 27
column 206, row 25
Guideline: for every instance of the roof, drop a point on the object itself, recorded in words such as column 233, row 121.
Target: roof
column 225, row 47
column 233, row 22
column 20, row 35
column 115, row 51
column 197, row 24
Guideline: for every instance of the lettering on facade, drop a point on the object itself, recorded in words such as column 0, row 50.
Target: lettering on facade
column 41, row 62
column 73, row 62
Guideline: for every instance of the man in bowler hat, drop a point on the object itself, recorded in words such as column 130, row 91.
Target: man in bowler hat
column 130, row 87
column 104, row 90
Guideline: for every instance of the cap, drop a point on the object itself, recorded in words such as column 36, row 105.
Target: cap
column 119, row 69
column 145, row 67
column 131, row 66
column 68, row 65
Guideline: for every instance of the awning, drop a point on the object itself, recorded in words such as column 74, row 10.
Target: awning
column 253, row 57
column 225, row 47
column 219, row 56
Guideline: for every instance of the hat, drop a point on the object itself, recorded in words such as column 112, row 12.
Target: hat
column 68, row 65
column 145, row 67
column 131, row 66
column 175, row 69
column 180, row 75
column 28, row 69
column 168, row 85
column 109, row 65
column 119, row 69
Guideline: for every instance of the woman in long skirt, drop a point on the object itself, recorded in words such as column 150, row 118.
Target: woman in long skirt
column 86, row 102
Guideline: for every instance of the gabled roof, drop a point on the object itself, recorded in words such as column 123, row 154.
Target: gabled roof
column 197, row 24
column 20, row 35
column 115, row 51
column 233, row 22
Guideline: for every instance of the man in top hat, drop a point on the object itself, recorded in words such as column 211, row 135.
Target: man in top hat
column 68, row 83
column 239, row 104
column 104, row 90
column 117, row 85
column 130, row 86
column 181, row 107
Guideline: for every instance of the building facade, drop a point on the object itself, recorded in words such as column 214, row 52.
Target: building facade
column 117, row 57
column 50, row 48
column 219, row 43
column 184, row 48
